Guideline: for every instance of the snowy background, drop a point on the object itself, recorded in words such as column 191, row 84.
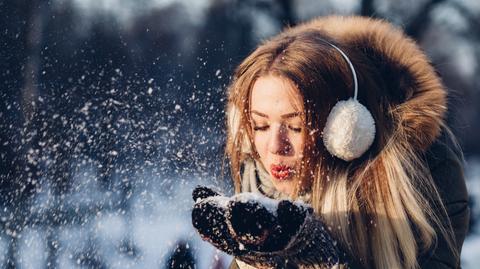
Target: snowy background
column 111, row 111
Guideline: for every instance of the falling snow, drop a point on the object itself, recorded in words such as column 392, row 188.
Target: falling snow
column 111, row 113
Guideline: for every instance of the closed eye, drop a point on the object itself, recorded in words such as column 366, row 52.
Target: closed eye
column 260, row 128
column 295, row 129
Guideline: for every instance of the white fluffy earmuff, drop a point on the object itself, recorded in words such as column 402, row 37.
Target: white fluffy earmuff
column 350, row 129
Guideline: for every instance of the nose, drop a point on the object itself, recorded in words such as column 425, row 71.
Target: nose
column 279, row 142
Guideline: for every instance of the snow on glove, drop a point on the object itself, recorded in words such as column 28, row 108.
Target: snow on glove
column 264, row 232
column 265, row 226
column 209, row 217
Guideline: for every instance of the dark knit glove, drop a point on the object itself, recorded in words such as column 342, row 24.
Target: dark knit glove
column 262, row 231
column 209, row 218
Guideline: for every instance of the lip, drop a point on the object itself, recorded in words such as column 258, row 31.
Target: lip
column 281, row 171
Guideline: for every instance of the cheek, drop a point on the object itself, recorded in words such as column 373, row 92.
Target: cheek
column 261, row 142
column 298, row 143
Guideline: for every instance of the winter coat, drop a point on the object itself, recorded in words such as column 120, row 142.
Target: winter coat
column 446, row 167
column 420, row 101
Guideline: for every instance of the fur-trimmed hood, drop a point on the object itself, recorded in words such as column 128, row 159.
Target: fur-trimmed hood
column 420, row 110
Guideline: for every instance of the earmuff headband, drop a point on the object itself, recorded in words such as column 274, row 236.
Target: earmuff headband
column 350, row 128
column 355, row 82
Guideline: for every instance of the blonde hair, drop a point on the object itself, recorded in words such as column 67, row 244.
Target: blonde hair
column 380, row 206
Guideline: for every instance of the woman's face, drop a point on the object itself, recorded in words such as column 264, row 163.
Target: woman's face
column 278, row 129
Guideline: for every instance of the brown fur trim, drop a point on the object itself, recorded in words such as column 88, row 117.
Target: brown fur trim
column 417, row 100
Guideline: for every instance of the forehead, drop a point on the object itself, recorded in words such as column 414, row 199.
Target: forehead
column 275, row 95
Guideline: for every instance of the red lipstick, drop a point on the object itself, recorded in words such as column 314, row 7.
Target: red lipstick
column 281, row 171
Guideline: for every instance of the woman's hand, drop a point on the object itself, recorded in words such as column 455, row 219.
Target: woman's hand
column 209, row 219
column 262, row 231
column 263, row 224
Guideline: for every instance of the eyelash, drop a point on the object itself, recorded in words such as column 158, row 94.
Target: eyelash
column 264, row 128
column 296, row 130
column 260, row 128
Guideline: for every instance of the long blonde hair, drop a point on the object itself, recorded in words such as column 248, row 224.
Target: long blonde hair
column 380, row 206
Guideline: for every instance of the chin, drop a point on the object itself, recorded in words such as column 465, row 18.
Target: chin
column 284, row 187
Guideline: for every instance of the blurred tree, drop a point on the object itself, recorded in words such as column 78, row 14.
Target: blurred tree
column 20, row 171
column 367, row 8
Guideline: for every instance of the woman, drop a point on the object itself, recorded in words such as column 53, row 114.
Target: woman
column 347, row 115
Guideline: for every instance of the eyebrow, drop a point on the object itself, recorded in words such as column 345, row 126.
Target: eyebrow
column 284, row 116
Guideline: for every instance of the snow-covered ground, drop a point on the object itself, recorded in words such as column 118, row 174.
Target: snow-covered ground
column 137, row 229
